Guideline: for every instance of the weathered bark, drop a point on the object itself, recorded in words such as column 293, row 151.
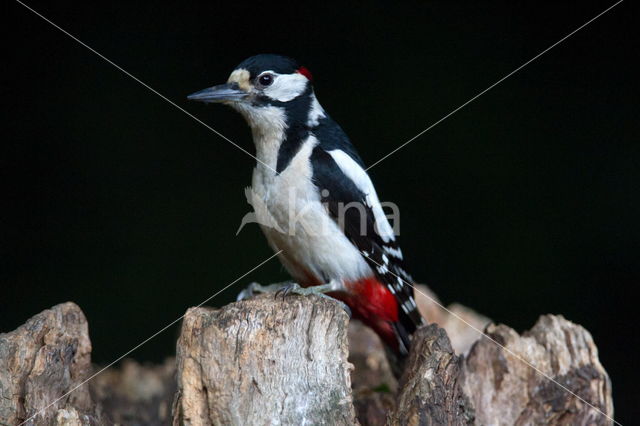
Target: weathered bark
column 135, row 394
column 504, row 389
column 284, row 361
column 247, row 364
column 265, row 361
column 497, row 384
column 43, row 360
column 430, row 389
column 372, row 381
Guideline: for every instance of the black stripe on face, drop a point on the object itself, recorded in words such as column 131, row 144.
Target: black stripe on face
column 296, row 113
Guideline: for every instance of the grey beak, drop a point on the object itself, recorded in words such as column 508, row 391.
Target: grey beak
column 220, row 93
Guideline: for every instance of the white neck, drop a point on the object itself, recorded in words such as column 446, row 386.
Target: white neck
column 267, row 125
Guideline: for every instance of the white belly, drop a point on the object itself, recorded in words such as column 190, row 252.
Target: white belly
column 294, row 220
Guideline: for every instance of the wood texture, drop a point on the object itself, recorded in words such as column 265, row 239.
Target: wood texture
column 265, row 361
column 299, row 360
column 505, row 390
column 136, row 394
column 496, row 384
column 374, row 386
column 430, row 388
column 41, row 361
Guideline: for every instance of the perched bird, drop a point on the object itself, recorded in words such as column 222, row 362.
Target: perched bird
column 317, row 202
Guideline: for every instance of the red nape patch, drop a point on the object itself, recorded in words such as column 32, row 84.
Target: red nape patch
column 306, row 73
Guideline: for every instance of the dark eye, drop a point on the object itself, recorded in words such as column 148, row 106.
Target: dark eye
column 265, row 79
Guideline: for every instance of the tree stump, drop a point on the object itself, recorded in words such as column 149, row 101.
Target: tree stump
column 505, row 390
column 430, row 387
column 498, row 386
column 374, row 386
column 136, row 394
column 271, row 361
column 40, row 362
column 265, row 361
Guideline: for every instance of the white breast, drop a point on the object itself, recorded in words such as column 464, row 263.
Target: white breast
column 301, row 227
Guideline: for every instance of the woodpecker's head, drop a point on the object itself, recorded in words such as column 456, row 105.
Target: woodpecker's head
column 265, row 89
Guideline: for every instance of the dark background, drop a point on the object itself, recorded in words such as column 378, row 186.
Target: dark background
column 523, row 203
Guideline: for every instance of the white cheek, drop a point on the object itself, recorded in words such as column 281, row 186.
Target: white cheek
column 286, row 87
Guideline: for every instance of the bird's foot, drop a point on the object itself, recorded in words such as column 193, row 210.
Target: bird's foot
column 319, row 290
column 289, row 287
column 256, row 288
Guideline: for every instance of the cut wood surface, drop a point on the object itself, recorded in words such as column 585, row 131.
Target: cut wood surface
column 265, row 361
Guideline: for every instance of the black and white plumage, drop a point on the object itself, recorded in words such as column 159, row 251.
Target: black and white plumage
column 320, row 206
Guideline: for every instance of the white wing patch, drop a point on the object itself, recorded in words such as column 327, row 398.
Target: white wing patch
column 393, row 251
column 286, row 86
column 360, row 177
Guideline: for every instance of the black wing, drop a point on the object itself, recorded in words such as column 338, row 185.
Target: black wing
column 384, row 257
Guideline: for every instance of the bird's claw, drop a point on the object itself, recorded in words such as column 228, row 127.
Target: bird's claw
column 295, row 288
column 287, row 289
column 256, row 288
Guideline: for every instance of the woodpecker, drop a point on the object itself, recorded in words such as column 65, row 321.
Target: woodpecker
column 318, row 204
